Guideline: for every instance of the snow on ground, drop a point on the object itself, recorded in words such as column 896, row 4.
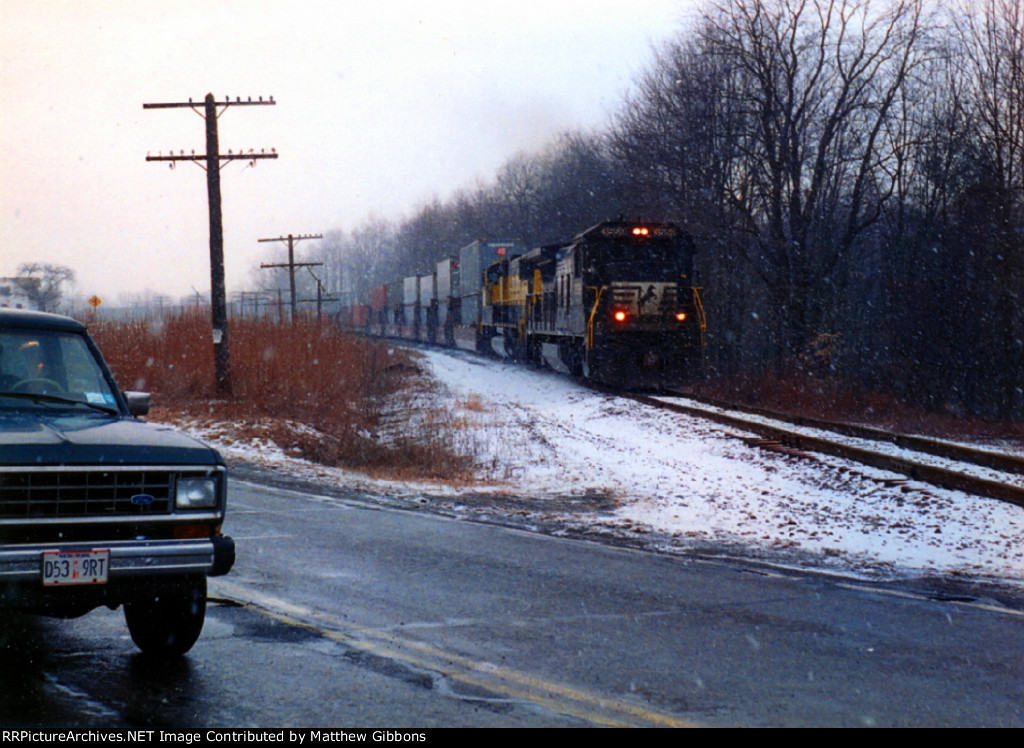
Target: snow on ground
column 618, row 467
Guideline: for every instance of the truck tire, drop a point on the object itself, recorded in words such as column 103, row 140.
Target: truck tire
column 168, row 622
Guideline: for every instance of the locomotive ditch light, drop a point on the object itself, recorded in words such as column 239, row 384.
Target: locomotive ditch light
column 680, row 316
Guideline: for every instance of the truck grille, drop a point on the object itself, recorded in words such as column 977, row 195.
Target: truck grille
column 84, row 493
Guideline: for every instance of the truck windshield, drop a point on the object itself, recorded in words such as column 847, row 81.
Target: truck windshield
column 54, row 365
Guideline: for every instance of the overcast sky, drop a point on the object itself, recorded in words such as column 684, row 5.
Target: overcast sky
column 381, row 105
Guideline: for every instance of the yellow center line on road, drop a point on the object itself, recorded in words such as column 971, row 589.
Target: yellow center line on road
column 965, row 603
column 497, row 679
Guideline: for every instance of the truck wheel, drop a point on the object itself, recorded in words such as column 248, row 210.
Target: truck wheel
column 169, row 622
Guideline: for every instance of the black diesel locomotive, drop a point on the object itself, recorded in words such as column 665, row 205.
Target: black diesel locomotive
column 616, row 304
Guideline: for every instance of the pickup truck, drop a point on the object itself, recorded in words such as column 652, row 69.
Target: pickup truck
column 98, row 508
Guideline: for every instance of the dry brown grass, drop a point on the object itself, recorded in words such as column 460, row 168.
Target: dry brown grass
column 317, row 392
column 473, row 404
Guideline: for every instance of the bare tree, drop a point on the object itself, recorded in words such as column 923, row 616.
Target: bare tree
column 992, row 206
column 48, row 291
column 580, row 185
column 675, row 138
column 819, row 82
column 994, row 52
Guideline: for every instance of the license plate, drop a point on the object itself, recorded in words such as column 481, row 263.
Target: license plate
column 75, row 567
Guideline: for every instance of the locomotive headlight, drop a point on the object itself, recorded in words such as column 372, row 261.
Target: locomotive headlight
column 196, row 493
column 619, row 316
column 680, row 316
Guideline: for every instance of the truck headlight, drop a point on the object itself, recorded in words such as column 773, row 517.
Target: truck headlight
column 196, row 493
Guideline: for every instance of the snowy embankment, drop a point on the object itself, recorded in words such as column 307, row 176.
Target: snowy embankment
column 615, row 467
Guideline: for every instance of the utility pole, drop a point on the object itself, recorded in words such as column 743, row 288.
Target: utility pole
column 292, row 264
column 246, row 297
column 320, row 298
column 212, row 160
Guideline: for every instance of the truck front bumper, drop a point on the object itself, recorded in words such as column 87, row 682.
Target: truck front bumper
column 133, row 564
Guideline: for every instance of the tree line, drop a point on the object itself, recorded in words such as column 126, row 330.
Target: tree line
column 852, row 174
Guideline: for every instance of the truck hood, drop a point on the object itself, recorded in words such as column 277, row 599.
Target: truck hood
column 34, row 437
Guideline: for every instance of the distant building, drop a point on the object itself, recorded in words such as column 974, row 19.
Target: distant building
column 19, row 293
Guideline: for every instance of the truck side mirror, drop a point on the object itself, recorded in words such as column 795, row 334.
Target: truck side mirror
column 139, row 403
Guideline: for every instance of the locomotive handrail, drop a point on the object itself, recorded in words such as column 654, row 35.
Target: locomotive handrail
column 593, row 314
column 531, row 302
column 702, row 319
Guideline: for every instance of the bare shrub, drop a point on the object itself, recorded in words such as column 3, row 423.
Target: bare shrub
column 318, row 392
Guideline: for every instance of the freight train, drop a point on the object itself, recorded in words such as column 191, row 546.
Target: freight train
column 617, row 304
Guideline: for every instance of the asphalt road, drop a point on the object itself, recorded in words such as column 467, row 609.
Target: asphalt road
column 345, row 614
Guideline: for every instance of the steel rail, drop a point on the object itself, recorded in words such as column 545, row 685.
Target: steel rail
column 1007, row 463
column 932, row 474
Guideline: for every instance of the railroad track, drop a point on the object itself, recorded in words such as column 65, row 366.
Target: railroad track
column 945, row 464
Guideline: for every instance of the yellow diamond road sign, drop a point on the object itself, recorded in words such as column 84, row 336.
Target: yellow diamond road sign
column 95, row 301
